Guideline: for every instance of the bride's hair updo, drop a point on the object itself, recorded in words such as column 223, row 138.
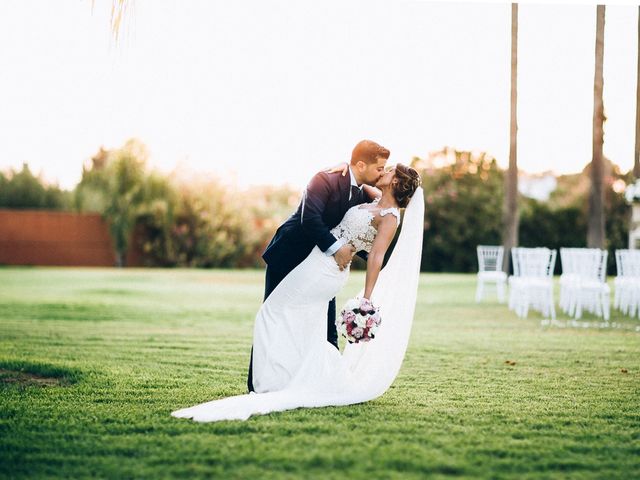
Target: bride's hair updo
column 408, row 182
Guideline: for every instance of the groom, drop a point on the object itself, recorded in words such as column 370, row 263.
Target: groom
column 324, row 202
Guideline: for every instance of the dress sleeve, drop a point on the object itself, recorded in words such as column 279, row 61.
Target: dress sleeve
column 393, row 211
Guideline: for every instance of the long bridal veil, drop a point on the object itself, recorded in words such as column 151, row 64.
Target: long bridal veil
column 365, row 370
column 376, row 364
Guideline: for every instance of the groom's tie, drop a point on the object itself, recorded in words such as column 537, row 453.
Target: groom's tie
column 356, row 196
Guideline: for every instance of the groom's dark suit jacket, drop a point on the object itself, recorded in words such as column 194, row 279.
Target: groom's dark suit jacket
column 324, row 203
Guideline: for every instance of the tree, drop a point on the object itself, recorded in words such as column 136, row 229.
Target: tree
column 89, row 195
column 155, row 222
column 115, row 187
column 511, row 220
column 125, row 196
column 463, row 207
column 22, row 189
column 595, row 232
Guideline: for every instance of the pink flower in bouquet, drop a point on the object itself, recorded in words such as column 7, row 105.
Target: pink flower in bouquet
column 357, row 333
column 366, row 306
column 376, row 318
column 349, row 316
column 349, row 328
column 370, row 322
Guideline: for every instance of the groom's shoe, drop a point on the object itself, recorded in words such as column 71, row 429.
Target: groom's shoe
column 332, row 331
column 250, row 376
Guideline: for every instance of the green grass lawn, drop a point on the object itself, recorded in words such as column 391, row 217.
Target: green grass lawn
column 130, row 346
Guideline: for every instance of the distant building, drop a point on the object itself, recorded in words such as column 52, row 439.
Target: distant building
column 537, row 186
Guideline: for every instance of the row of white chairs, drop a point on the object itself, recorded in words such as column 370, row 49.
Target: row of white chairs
column 627, row 282
column 582, row 283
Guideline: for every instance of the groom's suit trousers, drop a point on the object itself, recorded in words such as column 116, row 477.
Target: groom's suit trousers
column 272, row 278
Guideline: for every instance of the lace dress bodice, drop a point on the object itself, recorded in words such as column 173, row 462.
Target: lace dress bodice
column 356, row 227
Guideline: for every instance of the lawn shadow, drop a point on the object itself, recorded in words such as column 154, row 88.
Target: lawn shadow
column 29, row 374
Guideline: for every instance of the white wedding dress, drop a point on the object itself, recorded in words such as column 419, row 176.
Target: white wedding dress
column 293, row 364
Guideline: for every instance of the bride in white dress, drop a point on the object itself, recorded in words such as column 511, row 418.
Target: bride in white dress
column 293, row 364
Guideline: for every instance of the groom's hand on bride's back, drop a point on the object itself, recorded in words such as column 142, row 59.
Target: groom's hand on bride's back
column 342, row 168
column 344, row 255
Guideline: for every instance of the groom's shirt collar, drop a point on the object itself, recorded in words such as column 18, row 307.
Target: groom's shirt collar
column 354, row 183
column 339, row 242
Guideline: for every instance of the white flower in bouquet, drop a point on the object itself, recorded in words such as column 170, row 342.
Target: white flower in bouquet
column 352, row 304
column 361, row 320
column 357, row 333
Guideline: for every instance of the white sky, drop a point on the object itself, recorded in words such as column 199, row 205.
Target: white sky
column 275, row 90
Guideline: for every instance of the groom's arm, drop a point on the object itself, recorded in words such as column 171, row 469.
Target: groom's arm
column 314, row 202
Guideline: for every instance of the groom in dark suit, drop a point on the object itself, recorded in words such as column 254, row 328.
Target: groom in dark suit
column 324, row 202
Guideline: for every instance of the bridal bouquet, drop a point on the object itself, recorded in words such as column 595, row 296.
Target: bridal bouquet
column 359, row 320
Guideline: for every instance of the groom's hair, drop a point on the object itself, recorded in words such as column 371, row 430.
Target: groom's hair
column 368, row 152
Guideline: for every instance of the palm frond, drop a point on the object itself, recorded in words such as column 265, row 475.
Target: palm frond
column 120, row 10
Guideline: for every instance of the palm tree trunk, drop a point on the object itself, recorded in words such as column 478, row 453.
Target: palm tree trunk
column 636, row 157
column 511, row 218
column 595, row 234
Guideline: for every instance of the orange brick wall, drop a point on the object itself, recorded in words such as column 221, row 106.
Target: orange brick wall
column 36, row 237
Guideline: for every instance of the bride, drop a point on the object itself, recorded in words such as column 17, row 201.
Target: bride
column 293, row 364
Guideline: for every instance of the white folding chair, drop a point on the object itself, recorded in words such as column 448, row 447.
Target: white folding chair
column 490, row 270
column 627, row 282
column 531, row 286
column 591, row 291
column 568, row 278
column 620, row 279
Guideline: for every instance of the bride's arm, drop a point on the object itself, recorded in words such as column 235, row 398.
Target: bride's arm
column 372, row 192
column 386, row 230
